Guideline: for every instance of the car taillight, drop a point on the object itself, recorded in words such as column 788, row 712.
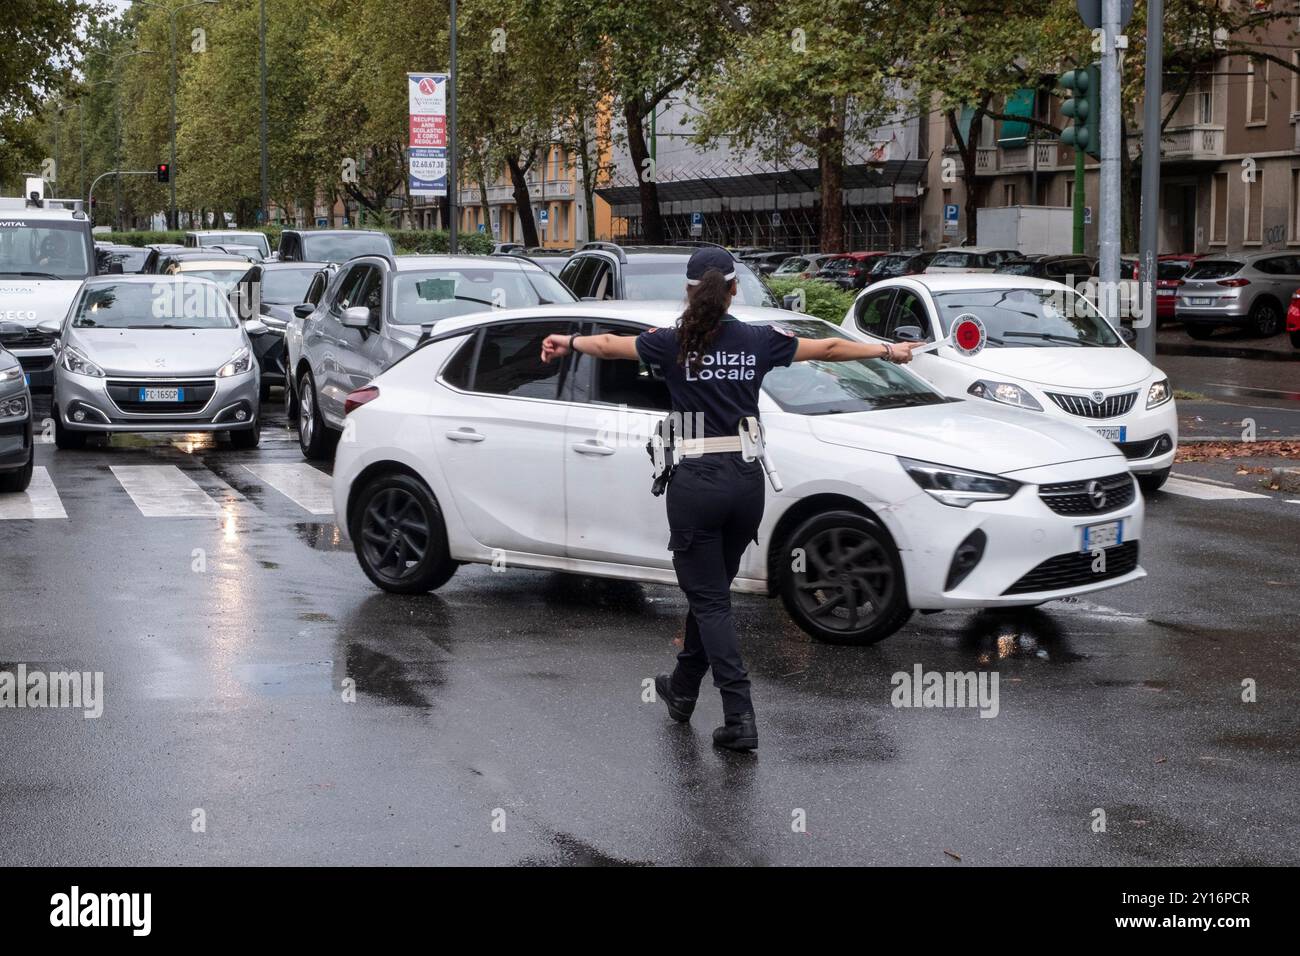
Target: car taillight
column 1234, row 283
column 1178, row 282
column 1293, row 313
column 359, row 397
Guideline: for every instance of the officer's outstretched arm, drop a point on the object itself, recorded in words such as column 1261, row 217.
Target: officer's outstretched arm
column 604, row 346
column 846, row 350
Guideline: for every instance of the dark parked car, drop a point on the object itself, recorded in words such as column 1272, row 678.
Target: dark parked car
column 126, row 259
column 1068, row 269
column 16, row 449
column 333, row 245
column 159, row 249
column 895, row 264
column 264, row 299
column 603, row 270
column 765, row 263
column 846, row 269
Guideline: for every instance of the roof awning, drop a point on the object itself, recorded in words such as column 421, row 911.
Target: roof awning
column 1019, row 103
column 892, row 172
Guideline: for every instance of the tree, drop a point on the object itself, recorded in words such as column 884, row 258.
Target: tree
column 806, row 76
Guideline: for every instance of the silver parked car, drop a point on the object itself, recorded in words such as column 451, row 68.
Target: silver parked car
column 375, row 311
column 153, row 354
column 1250, row 292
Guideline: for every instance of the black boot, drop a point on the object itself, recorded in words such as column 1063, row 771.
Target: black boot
column 679, row 708
column 738, row 733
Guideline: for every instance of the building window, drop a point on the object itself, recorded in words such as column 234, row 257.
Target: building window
column 1294, row 231
column 1009, row 194
column 1295, row 83
column 1219, row 209
column 1255, row 209
column 1256, row 91
column 1069, row 193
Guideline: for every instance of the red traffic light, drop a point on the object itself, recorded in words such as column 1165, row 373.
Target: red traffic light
column 164, row 172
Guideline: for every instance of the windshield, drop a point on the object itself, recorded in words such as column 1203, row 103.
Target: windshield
column 170, row 303
column 1029, row 318
column 1018, row 268
column 797, row 264
column 425, row 297
column 1213, row 269
column 286, row 286
column 237, row 239
column 44, row 248
column 827, row 388
column 889, row 266
column 960, row 260
column 341, row 247
column 666, row 279
column 132, row 260
column 224, row 278
column 1172, row 269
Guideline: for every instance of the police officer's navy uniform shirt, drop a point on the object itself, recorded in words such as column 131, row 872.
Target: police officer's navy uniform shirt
column 725, row 385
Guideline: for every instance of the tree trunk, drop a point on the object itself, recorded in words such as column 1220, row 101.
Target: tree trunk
column 523, row 201
column 588, row 183
column 652, row 224
column 830, row 166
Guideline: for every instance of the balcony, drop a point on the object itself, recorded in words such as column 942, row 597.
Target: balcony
column 1019, row 158
column 538, row 191
column 1194, row 142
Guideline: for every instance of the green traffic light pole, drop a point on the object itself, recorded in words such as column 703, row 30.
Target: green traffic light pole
column 1078, row 201
column 1082, row 135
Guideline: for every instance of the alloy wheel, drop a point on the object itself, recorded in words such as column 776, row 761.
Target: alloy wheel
column 394, row 533
column 848, row 579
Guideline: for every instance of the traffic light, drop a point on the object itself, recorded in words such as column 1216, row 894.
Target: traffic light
column 164, row 173
column 1084, row 107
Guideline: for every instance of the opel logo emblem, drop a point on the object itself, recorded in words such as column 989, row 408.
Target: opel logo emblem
column 160, row 362
column 1098, row 397
column 1096, row 494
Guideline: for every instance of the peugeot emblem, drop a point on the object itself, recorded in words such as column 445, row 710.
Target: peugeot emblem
column 1096, row 494
column 1098, row 397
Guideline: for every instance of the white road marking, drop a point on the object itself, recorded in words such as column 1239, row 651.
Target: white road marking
column 304, row 484
column 164, row 491
column 40, row 500
column 1196, row 489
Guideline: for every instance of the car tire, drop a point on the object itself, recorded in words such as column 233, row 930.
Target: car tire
column 290, row 402
column 314, row 436
column 1295, row 340
column 399, row 535
column 66, row 439
column 16, row 481
column 1199, row 332
column 1265, row 319
column 264, row 390
column 246, row 438
column 847, row 557
column 1152, row 481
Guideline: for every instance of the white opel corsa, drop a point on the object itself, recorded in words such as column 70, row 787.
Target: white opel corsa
column 895, row 498
column 1041, row 347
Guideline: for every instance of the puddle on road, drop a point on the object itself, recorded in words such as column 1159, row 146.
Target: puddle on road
column 322, row 536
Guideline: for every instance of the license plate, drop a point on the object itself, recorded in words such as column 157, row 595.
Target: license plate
column 162, row 395
column 1164, row 291
column 1113, row 432
column 1198, row 300
column 1097, row 537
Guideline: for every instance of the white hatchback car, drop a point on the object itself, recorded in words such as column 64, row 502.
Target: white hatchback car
column 1043, row 347
column 470, row 449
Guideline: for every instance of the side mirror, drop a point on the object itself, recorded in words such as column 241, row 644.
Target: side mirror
column 909, row 333
column 356, row 317
column 12, row 331
column 303, row 309
column 789, row 301
column 115, row 268
column 254, row 326
column 49, row 326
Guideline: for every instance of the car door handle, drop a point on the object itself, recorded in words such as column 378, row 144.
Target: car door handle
column 465, row 434
column 591, row 448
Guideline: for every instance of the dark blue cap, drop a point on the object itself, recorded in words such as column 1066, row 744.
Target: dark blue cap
column 710, row 257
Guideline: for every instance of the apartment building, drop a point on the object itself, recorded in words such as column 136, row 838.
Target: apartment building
column 1229, row 169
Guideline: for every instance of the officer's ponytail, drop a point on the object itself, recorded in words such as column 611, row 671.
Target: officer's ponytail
column 706, row 306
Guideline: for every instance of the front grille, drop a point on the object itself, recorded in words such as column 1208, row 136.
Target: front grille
column 126, row 395
column 1083, row 405
column 31, row 339
column 1075, row 570
column 1082, row 498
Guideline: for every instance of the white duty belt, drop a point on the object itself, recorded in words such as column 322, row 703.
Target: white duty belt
column 749, row 441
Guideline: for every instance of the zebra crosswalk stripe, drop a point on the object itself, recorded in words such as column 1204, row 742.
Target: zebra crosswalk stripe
column 305, row 485
column 1205, row 492
column 40, row 500
column 164, row 491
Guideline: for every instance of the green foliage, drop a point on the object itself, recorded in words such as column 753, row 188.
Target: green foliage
column 821, row 299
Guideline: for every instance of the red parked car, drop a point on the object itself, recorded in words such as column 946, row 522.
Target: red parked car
column 1293, row 319
column 1169, row 276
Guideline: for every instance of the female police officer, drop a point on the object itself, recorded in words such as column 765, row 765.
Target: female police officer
column 714, row 367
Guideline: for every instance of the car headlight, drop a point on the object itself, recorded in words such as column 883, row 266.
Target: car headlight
column 75, row 361
column 239, row 363
column 1159, row 393
column 11, row 375
column 1007, row 393
column 956, row 486
column 11, row 408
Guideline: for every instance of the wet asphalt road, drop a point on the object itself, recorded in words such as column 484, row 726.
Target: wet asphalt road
column 515, row 698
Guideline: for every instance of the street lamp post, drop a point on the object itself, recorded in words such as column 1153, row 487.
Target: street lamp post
column 173, row 220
